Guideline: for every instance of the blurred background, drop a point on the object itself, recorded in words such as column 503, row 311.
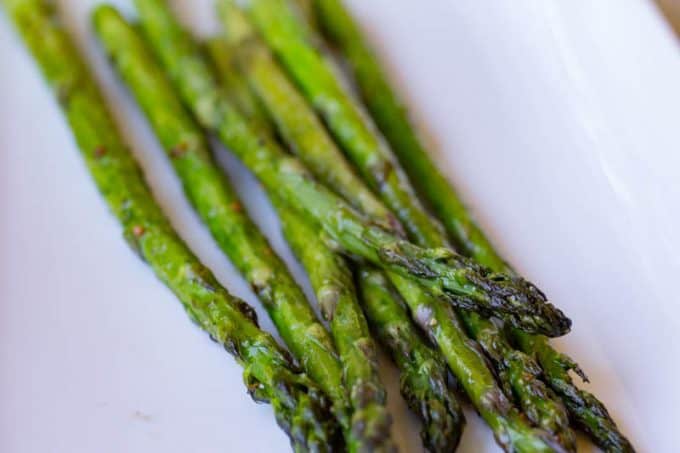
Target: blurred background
column 671, row 9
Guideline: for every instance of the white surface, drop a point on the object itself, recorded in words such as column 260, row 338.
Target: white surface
column 559, row 122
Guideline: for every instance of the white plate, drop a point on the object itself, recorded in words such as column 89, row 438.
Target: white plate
column 559, row 122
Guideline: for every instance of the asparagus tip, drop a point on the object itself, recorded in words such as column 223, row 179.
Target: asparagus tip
column 372, row 425
column 520, row 302
column 442, row 417
column 303, row 412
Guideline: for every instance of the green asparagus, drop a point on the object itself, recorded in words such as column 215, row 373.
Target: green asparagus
column 518, row 372
column 392, row 119
column 389, row 315
column 444, row 272
column 331, row 279
column 423, row 376
column 290, row 39
column 300, row 408
column 291, row 42
column 467, row 362
column 328, row 273
column 224, row 59
column 587, row 412
column 219, row 207
column 296, row 124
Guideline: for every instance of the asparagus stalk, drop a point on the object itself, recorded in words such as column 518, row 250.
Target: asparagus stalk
column 520, row 376
column 392, row 118
column 300, row 408
column 423, row 375
column 219, row 207
column 518, row 372
column 587, row 412
column 224, row 59
column 331, row 279
column 467, row 362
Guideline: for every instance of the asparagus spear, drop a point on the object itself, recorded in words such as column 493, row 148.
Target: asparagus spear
column 299, row 126
column 219, row 207
column 467, row 362
column 300, row 408
column 224, row 59
column 587, row 412
column 423, row 375
column 392, row 119
column 331, row 279
column 517, row 373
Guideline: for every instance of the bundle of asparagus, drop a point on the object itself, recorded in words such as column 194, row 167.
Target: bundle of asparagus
column 517, row 371
column 423, row 374
column 391, row 116
column 377, row 259
column 306, row 135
